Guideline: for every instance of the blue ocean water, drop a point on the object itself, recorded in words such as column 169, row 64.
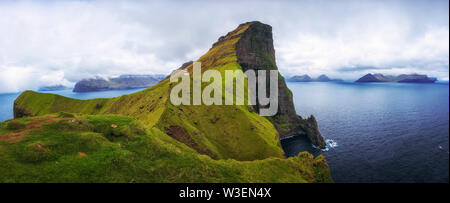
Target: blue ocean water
column 7, row 99
column 384, row 132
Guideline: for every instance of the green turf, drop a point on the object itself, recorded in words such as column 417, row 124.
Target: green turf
column 51, row 153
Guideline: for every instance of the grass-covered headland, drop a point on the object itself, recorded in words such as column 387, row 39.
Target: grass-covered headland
column 143, row 137
column 67, row 147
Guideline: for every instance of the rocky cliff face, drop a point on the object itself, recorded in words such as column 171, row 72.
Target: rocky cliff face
column 19, row 111
column 255, row 51
column 312, row 131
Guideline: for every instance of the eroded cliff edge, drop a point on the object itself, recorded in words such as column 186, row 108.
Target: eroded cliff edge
column 255, row 50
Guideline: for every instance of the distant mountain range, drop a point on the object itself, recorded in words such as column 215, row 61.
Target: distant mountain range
column 53, row 88
column 306, row 78
column 404, row 78
column 119, row 83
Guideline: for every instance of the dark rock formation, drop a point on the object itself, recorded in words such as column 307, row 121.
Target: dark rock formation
column 312, row 131
column 20, row 112
column 122, row 82
column 404, row 78
column 255, row 50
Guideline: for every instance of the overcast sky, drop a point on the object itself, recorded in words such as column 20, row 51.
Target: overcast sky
column 61, row 42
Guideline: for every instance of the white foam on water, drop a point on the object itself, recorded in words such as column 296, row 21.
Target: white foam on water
column 331, row 143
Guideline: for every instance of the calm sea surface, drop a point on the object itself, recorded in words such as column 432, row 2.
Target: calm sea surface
column 382, row 132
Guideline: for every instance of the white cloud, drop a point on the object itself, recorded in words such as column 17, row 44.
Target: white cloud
column 50, row 42
column 312, row 54
column 14, row 78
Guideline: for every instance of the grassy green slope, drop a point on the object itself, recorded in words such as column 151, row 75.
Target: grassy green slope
column 218, row 131
column 35, row 103
column 146, row 106
column 225, row 131
column 87, row 148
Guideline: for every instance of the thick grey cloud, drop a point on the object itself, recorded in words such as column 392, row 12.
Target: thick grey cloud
column 54, row 42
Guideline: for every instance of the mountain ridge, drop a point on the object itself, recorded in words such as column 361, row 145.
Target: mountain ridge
column 307, row 78
column 403, row 78
column 117, row 83
column 53, row 88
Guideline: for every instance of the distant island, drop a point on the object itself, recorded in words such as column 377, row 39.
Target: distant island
column 306, row 78
column 119, row 83
column 403, row 78
column 53, row 88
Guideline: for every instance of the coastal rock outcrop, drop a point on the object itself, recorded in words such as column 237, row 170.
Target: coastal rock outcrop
column 313, row 132
column 19, row 111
